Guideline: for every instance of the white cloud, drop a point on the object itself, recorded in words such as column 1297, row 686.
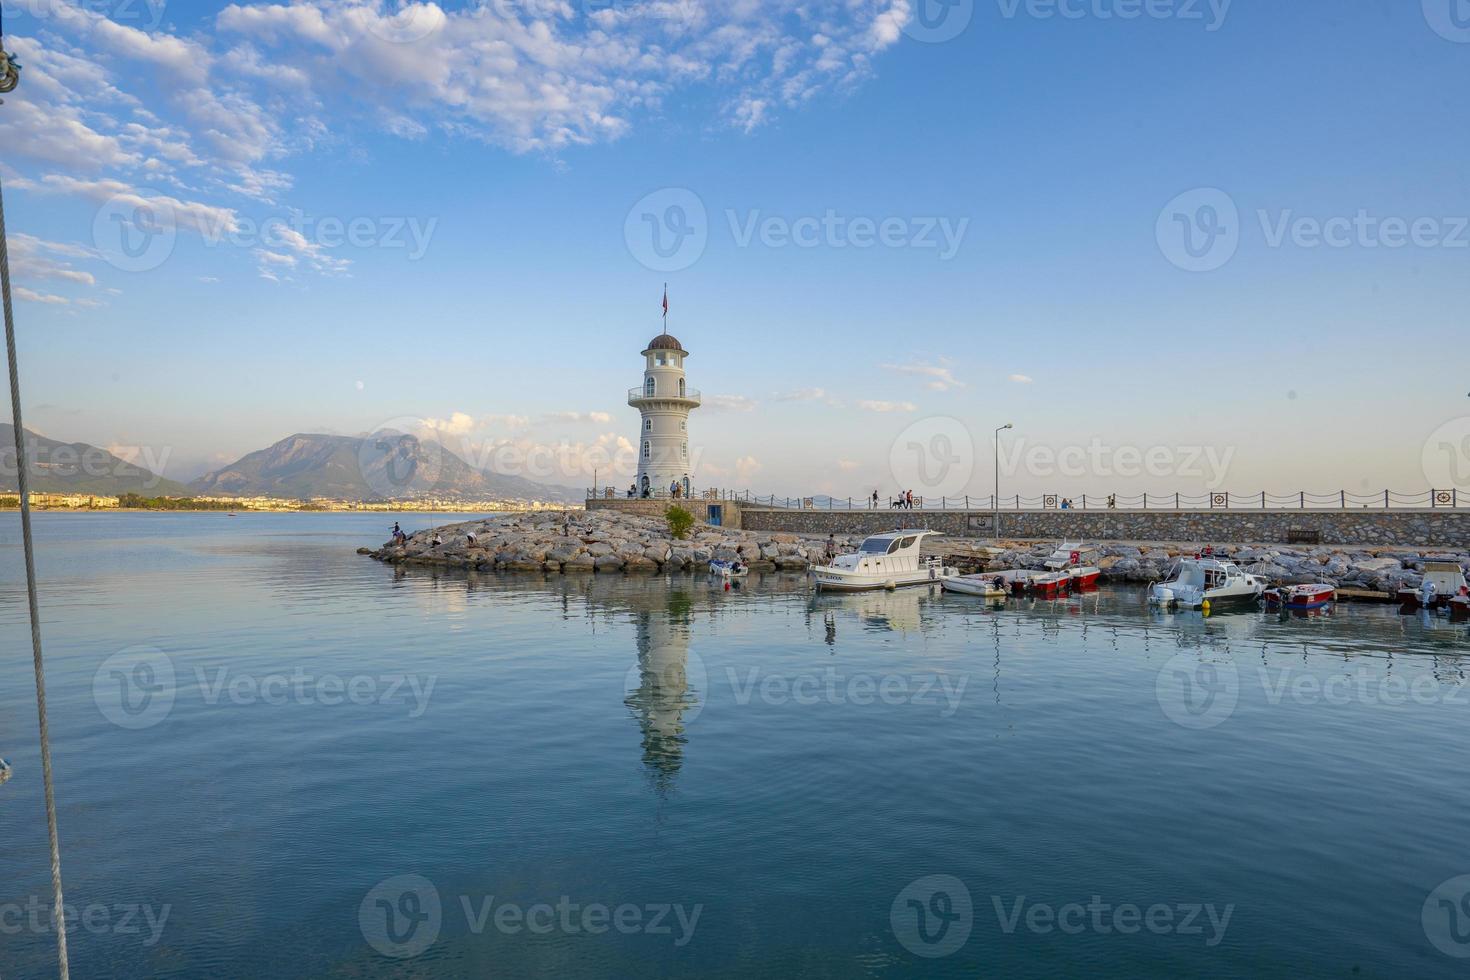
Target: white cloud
column 879, row 406
column 457, row 424
column 729, row 403
column 30, row 295
column 746, row 468
column 847, row 465
column 1021, row 379
column 546, row 74
column 809, row 395
column 37, row 258
column 600, row 418
column 203, row 123
column 941, row 378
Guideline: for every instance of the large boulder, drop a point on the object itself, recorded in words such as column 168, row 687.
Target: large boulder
column 608, row 563
column 1377, row 565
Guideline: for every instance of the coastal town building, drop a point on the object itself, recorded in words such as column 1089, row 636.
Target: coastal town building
column 664, row 402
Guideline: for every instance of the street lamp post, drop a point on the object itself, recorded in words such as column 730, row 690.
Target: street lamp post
column 996, row 501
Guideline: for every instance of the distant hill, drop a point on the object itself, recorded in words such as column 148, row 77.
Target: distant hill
column 76, row 467
column 383, row 466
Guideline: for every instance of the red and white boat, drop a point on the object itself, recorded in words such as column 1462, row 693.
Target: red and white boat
column 1300, row 597
column 1076, row 561
column 1443, row 580
column 1014, row 580
column 1049, row 585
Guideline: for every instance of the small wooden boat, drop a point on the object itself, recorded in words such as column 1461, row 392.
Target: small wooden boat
column 1300, row 597
column 985, row 586
column 1443, row 580
column 5, row 771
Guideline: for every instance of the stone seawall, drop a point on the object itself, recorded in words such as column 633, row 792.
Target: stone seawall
column 729, row 511
column 1448, row 529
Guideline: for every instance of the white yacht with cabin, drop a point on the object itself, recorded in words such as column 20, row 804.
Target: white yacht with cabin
column 884, row 561
column 1206, row 580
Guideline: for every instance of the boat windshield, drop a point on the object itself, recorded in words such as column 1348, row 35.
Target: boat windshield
column 876, row 546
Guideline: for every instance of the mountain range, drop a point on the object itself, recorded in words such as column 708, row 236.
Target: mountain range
column 383, row 466
column 379, row 467
column 76, row 467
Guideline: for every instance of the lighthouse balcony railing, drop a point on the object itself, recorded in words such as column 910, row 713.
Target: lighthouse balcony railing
column 642, row 393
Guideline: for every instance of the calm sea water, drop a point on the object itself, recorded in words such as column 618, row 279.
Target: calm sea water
column 277, row 758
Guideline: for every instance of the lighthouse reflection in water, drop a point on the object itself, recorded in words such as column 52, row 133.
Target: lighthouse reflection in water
column 666, row 688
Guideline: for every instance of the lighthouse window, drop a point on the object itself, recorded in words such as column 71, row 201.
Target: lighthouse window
column 684, row 450
column 645, row 450
column 648, row 386
column 683, row 426
column 648, row 425
column 660, row 359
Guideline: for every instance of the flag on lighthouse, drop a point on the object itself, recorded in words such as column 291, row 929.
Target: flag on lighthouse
column 666, row 302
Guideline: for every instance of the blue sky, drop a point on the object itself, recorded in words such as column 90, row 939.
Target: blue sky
column 522, row 141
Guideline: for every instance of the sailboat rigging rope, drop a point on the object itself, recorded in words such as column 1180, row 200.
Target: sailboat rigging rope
column 22, row 476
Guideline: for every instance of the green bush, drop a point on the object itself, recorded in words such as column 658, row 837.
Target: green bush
column 680, row 521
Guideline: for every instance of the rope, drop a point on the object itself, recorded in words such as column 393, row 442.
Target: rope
column 59, row 912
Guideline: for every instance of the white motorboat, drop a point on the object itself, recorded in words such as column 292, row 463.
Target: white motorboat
column 985, row 586
column 884, row 561
column 729, row 569
column 1202, row 580
column 1443, row 580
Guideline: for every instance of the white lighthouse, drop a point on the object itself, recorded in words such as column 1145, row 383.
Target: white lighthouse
column 664, row 402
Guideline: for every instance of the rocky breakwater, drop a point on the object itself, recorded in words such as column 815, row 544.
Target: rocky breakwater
column 1379, row 570
column 601, row 541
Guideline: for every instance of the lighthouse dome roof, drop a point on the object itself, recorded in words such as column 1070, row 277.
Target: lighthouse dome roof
column 666, row 341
